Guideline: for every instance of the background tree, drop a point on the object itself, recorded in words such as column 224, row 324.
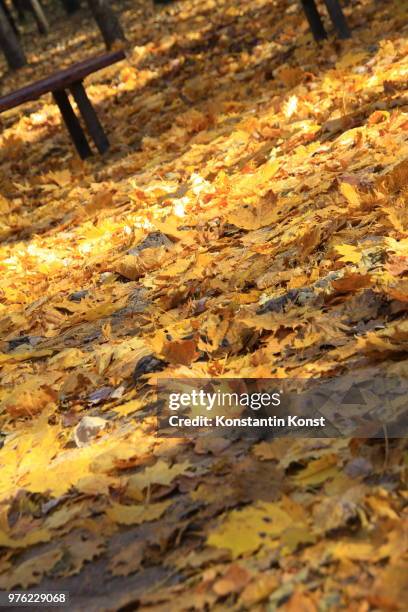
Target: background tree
column 71, row 6
column 9, row 43
column 19, row 7
column 39, row 16
column 9, row 15
column 107, row 21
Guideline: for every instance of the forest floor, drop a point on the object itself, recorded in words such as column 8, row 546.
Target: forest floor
column 249, row 221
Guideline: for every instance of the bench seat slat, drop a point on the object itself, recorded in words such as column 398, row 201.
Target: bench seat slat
column 59, row 80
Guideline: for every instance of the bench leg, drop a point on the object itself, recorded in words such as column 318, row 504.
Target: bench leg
column 337, row 17
column 72, row 123
column 315, row 22
column 90, row 117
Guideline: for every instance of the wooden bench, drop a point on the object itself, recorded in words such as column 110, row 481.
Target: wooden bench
column 59, row 84
column 316, row 24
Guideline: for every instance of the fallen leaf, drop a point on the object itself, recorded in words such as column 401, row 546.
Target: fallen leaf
column 349, row 253
column 135, row 515
column 128, row 560
column 244, row 531
column 35, row 537
column 259, row 589
column 317, row 471
column 350, row 193
column 160, row 473
column 87, row 429
column 30, row 572
column 233, row 581
column 351, row 282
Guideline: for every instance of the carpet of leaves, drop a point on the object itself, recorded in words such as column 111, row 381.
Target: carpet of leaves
column 246, row 162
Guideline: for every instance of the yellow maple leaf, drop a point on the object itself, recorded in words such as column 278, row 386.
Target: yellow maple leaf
column 350, row 193
column 30, row 571
column 5, row 205
column 252, row 183
column 356, row 551
column 160, row 473
column 28, row 398
column 61, row 177
column 24, row 355
column 244, row 531
column 34, row 537
column 253, row 216
column 317, row 471
column 135, row 515
column 352, row 58
column 68, row 358
column 349, row 253
column 129, row 407
column 80, row 550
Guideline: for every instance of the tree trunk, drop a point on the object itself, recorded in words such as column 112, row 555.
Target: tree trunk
column 19, row 8
column 107, row 21
column 10, row 44
column 39, row 16
column 9, row 16
column 71, row 6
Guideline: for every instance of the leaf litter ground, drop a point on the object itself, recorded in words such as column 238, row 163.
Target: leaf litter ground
column 250, row 220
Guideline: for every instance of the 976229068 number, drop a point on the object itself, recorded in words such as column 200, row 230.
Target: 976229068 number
column 33, row 598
